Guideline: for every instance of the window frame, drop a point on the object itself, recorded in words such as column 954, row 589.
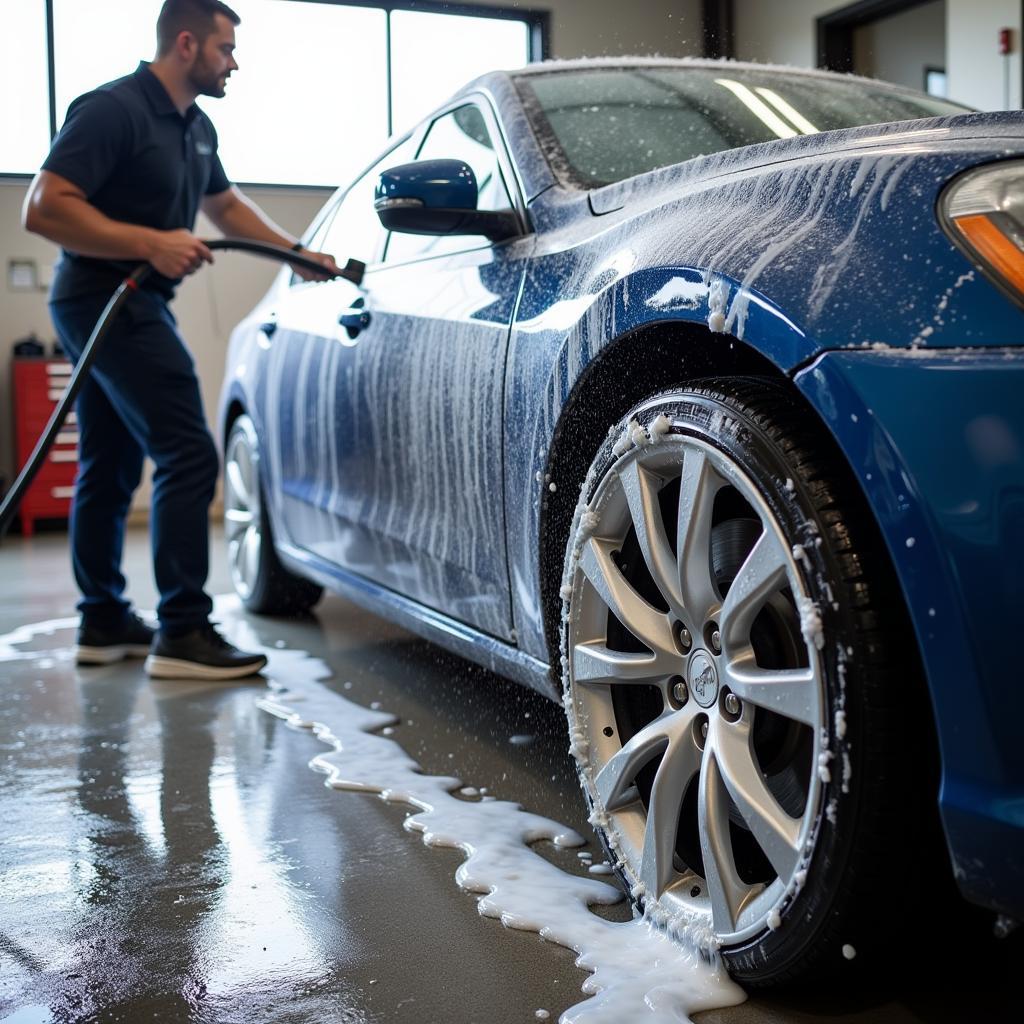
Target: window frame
column 537, row 20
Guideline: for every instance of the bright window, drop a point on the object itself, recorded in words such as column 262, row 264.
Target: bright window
column 433, row 55
column 97, row 46
column 24, row 97
column 309, row 105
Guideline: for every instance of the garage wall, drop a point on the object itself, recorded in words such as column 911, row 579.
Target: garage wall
column 899, row 48
column 208, row 305
column 785, row 33
column 598, row 28
column 976, row 70
column 781, row 32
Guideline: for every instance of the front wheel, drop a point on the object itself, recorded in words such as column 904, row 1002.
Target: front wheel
column 260, row 580
column 734, row 705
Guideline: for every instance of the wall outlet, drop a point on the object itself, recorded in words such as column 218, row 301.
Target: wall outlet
column 22, row 276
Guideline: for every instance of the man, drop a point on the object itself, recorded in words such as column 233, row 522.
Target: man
column 122, row 185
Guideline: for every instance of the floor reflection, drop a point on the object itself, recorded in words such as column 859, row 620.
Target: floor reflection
column 155, row 860
column 151, row 871
column 166, row 854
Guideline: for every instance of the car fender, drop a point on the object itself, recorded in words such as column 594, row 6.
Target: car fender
column 551, row 356
column 947, row 493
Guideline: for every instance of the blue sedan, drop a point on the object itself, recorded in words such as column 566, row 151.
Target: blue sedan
column 688, row 394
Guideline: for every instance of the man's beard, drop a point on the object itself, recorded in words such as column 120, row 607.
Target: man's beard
column 205, row 81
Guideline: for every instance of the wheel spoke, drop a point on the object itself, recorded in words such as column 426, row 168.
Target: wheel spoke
column 725, row 887
column 641, row 488
column 616, row 778
column 775, row 831
column 235, row 554
column 762, row 573
column 697, row 490
column 251, row 548
column 596, row 663
column 236, row 521
column 238, row 485
column 792, row 692
column 679, row 765
column 643, row 620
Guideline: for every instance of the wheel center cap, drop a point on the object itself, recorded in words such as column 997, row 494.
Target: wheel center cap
column 703, row 679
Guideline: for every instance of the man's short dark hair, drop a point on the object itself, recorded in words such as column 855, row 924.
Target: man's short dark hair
column 195, row 16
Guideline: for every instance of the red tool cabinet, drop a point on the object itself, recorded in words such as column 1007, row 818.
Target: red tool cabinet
column 37, row 386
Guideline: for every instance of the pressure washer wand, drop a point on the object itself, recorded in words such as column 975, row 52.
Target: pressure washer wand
column 353, row 271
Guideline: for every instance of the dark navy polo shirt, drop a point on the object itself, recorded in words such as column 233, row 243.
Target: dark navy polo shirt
column 139, row 161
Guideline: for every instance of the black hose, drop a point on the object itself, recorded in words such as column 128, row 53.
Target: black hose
column 353, row 271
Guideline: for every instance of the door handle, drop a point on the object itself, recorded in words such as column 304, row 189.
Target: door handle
column 356, row 318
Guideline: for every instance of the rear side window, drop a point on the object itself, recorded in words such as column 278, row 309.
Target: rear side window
column 459, row 135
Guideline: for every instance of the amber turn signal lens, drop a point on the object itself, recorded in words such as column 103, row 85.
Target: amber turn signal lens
column 994, row 247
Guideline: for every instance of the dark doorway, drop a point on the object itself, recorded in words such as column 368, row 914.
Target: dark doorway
column 718, row 28
column 837, row 31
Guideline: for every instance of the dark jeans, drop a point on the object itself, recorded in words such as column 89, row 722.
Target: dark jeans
column 142, row 398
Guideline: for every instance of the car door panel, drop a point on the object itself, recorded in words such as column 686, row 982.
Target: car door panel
column 301, row 437
column 385, row 466
column 423, row 483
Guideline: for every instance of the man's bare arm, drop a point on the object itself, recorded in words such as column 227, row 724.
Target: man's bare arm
column 235, row 214
column 59, row 210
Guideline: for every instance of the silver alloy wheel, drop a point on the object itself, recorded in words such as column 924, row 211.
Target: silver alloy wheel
column 242, row 528
column 715, row 698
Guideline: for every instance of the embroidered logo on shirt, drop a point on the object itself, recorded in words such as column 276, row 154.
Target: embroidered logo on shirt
column 204, row 149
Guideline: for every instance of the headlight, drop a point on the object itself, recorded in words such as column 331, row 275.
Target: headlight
column 983, row 213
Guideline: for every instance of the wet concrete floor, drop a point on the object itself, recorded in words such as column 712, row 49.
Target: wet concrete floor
column 165, row 854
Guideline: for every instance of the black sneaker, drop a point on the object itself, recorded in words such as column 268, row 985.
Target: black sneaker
column 103, row 646
column 201, row 654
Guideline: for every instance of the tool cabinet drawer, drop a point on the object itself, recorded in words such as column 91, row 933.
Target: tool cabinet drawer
column 37, row 385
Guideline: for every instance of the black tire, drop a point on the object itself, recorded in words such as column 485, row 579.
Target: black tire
column 265, row 586
column 875, row 845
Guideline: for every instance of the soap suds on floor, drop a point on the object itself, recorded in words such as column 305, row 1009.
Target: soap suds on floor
column 637, row 972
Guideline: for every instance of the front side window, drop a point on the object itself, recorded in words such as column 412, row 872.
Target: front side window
column 350, row 228
column 602, row 125
column 459, row 135
column 355, row 231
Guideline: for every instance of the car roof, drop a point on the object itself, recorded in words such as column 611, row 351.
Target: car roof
column 626, row 63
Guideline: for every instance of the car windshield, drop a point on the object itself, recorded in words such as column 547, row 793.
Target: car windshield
column 602, row 125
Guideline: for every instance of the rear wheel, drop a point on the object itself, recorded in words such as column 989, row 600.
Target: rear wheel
column 733, row 702
column 260, row 580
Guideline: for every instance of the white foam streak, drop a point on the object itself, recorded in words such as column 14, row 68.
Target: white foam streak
column 637, row 972
column 26, row 634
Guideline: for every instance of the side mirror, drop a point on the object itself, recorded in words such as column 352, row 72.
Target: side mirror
column 438, row 197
